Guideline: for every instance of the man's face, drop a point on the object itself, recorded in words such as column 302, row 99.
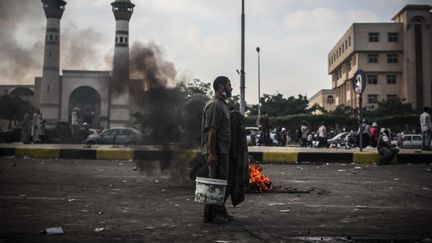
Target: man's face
column 227, row 90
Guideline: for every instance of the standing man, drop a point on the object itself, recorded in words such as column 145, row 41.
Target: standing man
column 426, row 128
column 216, row 142
column 36, row 126
column 322, row 135
column 265, row 124
column 26, row 128
column 75, row 125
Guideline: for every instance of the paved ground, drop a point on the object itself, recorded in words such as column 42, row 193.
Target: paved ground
column 149, row 201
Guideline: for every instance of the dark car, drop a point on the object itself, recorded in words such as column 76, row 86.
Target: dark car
column 119, row 135
column 10, row 136
column 57, row 132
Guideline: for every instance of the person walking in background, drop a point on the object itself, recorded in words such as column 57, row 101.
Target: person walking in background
column 373, row 131
column 322, row 135
column 26, row 127
column 364, row 131
column 75, row 125
column 265, row 125
column 426, row 128
column 304, row 129
column 216, row 142
column 283, row 137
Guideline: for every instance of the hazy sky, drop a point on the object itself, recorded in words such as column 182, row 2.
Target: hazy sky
column 201, row 38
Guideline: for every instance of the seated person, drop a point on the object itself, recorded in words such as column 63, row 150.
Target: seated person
column 385, row 148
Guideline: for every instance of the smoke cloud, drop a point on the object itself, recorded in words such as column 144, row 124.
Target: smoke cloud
column 79, row 49
column 23, row 22
column 20, row 63
column 147, row 62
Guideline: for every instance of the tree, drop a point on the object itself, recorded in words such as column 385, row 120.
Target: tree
column 199, row 87
column 346, row 111
column 13, row 108
column 390, row 107
column 277, row 105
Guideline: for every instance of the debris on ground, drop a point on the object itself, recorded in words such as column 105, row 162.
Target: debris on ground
column 362, row 207
column 99, row 229
column 53, row 231
column 288, row 189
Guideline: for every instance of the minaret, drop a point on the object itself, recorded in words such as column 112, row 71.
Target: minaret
column 119, row 107
column 50, row 86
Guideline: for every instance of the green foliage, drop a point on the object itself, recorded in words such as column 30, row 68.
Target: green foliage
column 390, row 107
column 199, row 87
column 14, row 108
column 234, row 102
column 346, row 111
column 277, row 105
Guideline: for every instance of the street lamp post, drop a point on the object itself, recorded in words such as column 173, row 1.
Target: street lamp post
column 259, row 87
column 242, row 71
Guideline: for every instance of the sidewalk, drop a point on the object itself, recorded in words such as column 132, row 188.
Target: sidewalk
column 266, row 155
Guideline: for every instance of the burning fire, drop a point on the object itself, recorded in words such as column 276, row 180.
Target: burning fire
column 257, row 181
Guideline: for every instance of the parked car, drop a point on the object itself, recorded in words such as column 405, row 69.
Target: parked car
column 119, row 135
column 10, row 135
column 57, row 132
column 411, row 141
column 338, row 140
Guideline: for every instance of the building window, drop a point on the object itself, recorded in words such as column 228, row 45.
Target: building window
column 372, row 98
column 373, row 37
column 51, row 37
column 373, row 58
column 56, row 38
column 392, row 58
column 116, row 39
column 393, row 37
column 346, row 44
column 349, row 41
column 121, row 39
column 372, row 79
column 391, row 79
column 354, row 60
column 330, row 99
column 391, row 96
column 126, row 39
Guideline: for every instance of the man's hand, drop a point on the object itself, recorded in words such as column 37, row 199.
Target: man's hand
column 212, row 158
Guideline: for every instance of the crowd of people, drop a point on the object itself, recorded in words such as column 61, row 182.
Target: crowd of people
column 33, row 127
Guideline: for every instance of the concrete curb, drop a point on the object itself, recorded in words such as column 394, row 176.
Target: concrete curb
column 288, row 157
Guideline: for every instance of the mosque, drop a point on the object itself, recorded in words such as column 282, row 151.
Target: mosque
column 106, row 93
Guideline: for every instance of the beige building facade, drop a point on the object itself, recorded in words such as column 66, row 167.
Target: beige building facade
column 396, row 58
column 324, row 98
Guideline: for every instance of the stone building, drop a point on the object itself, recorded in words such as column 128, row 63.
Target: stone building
column 324, row 98
column 396, row 57
column 104, row 93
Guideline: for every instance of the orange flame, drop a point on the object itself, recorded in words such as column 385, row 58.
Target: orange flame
column 257, row 181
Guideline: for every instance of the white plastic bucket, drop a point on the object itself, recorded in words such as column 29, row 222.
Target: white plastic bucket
column 210, row 191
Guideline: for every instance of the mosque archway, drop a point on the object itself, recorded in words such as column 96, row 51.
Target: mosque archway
column 87, row 99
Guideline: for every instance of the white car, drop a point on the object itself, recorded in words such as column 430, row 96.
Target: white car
column 411, row 141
